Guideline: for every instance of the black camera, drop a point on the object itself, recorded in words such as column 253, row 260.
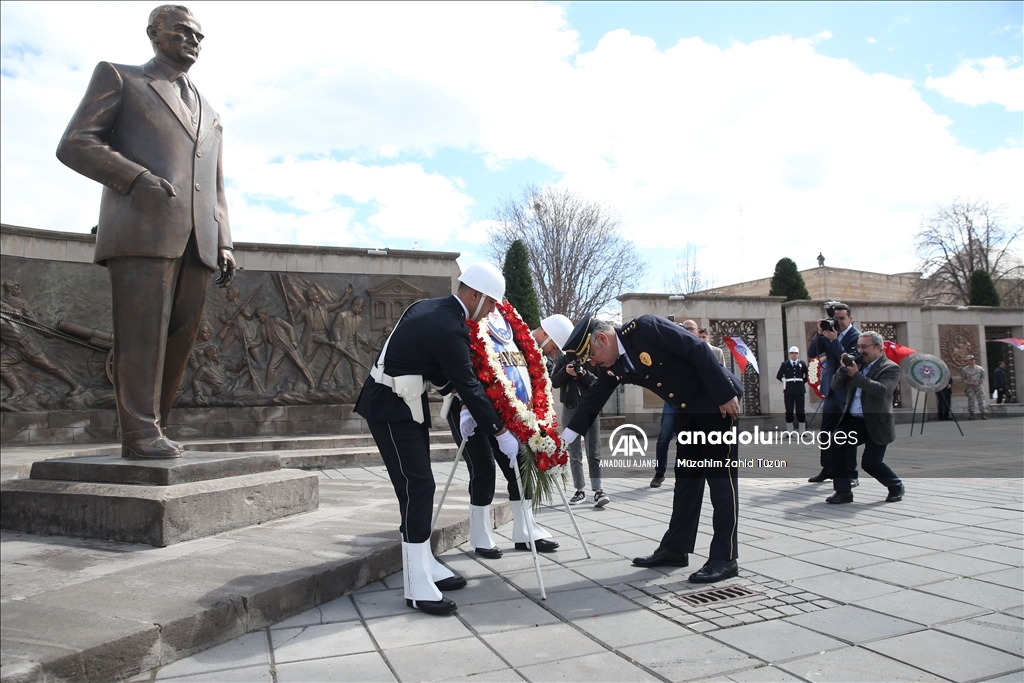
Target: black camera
column 853, row 357
column 829, row 324
column 585, row 378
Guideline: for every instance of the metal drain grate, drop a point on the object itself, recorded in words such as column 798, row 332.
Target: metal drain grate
column 714, row 595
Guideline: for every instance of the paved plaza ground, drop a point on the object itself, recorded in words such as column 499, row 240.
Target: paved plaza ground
column 930, row 588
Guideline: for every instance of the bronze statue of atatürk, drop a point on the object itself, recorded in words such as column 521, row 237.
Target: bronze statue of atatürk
column 154, row 142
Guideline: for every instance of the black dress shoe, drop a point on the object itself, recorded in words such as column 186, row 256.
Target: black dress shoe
column 442, row 606
column 452, row 583
column 490, row 553
column 715, row 570
column 895, row 494
column 543, row 546
column 155, row 448
column 838, row 497
column 658, row 478
column 662, row 558
column 820, row 477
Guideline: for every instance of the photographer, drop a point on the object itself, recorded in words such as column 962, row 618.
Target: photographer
column 836, row 336
column 869, row 379
column 573, row 380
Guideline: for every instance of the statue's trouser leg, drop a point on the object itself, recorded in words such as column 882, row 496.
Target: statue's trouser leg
column 157, row 308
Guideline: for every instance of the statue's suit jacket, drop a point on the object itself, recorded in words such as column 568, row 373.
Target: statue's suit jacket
column 131, row 120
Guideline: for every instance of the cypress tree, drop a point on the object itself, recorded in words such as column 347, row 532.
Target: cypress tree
column 787, row 281
column 983, row 290
column 519, row 289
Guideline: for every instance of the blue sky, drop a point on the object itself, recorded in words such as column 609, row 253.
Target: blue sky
column 750, row 131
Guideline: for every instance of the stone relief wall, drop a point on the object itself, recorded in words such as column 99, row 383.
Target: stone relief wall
column 270, row 339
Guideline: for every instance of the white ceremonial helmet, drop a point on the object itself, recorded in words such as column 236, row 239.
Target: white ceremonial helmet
column 793, row 349
column 558, row 327
column 484, row 278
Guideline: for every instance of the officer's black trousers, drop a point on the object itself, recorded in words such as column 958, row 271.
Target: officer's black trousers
column 405, row 448
column 794, row 403
column 480, row 455
column 688, row 495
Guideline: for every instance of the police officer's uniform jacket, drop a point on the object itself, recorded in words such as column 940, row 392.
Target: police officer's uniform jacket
column 794, row 376
column 432, row 341
column 681, row 369
column 677, row 366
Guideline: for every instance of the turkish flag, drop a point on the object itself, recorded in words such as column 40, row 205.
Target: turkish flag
column 1018, row 343
column 895, row 352
column 741, row 352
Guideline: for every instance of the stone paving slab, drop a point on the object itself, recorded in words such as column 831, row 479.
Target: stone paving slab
column 880, row 621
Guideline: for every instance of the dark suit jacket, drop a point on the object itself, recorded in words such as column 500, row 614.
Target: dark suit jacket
column 132, row 120
column 877, row 388
column 833, row 351
column 677, row 366
column 431, row 339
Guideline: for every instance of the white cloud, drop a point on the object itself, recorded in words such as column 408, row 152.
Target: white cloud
column 325, row 104
column 980, row 81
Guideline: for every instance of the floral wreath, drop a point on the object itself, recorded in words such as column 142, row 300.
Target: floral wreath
column 533, row 424
column 814, row 376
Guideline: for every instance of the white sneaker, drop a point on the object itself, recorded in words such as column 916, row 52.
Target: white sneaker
column 600, row 499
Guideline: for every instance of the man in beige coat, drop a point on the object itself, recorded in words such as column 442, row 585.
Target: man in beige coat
column 154, row 142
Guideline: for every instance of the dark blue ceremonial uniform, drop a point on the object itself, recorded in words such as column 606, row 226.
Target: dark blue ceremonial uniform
column 835, row 399
column 793, row 374
column 432, row 340
column 681, row 369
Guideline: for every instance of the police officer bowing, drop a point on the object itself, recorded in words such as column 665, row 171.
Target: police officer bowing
column 655, row 353
column 430, row 343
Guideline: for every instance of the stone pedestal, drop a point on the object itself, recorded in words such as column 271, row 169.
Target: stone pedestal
column 156, row 502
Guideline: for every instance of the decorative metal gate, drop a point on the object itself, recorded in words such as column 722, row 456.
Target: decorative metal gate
column 747, row 331
column 888, row 332
column 991, row 334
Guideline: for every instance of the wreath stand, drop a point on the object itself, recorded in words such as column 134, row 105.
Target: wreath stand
column 529, row 530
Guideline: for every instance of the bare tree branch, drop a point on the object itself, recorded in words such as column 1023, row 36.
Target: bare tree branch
column 686, row 276
column 579, row 259
column 961, row 237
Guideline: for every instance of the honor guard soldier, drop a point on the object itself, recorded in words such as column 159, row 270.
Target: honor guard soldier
column 657, row 354
column 793, row 375
column 429, row 344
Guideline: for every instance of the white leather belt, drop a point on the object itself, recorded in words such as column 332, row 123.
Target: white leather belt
column 794, row 379
column 408, row 387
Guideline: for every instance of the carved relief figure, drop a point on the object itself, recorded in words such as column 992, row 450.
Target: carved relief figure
column 315, row 317
column 21, row 347
column 235, row 317
column 345, row 338
column 222, row 386
column 280, row 339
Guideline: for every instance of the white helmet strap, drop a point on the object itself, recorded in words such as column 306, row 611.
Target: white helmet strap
column 479, row 306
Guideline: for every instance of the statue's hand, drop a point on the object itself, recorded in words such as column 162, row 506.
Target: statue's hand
column 154, row 181
column 226, row 261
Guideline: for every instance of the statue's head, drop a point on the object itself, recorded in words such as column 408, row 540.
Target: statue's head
column 262, row 314
column 12, row 288
column 212, row 353
column 357, row 305
column 233, row 293
column 205, row 332
column 312, row 295
column 175, row 35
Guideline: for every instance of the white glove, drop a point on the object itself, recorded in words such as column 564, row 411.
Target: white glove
column 467, row 425
column 568, row 436
column 509, row 445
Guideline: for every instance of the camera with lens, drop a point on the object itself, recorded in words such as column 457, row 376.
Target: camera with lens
column 585, row 378
column 853, row 357
column 828, row 324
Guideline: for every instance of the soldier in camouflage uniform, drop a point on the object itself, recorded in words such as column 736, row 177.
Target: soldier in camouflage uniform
column 973, row 376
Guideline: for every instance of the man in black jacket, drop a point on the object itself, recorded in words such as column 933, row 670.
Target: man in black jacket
column 657, row 354
column 573, row 380
column 430, row 343
column 793, row 375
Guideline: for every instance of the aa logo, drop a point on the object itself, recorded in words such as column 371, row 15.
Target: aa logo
column 624, row 441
